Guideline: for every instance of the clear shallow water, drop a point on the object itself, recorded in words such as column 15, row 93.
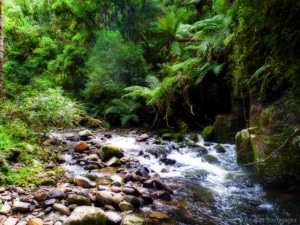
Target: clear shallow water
column 206, row 193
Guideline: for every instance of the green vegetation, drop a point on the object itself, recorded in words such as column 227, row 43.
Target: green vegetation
column 170, row 63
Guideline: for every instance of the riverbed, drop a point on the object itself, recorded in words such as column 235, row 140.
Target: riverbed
column 217, row 191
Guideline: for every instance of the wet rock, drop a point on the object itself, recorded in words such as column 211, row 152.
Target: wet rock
column 85, row 134
column 50, row 201
column 86, row 215
column 125, row 206
column 133, row 219
column 167, row 161
column 147, row 199
column 157, row 150
column 130, row 177
column 113, row 218
column 165, row 196
column 160, row 185
column 55, row 193
column 104, row 198
column 220, row 149
column 62, row 209
column 78, row 200
column 82, row 181
column 200, row 150
column 148, row 184
column 133, row 200
column 81, row 146
column 109, row 151
column 116, row 178
column 21, row 206
column 114, row 161
column 142, row 137
column 40, row 196
column 108, row 135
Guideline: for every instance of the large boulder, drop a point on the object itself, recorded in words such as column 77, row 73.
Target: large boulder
column 109, row 151
column 86, row 215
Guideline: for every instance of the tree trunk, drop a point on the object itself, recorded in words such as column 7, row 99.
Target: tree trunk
column 1, row 48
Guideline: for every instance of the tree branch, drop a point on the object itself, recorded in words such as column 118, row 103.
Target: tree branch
column 296, row 132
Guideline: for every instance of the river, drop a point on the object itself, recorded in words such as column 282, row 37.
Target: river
column 217, row 191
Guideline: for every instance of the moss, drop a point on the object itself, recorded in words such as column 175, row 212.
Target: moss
column 95, row 218
column 194, row 137
column 210, row 158
column 177, row 137
column 48, row 181
column 108, row 151
column 91, row 177
column 208, row 133
column 167, row 136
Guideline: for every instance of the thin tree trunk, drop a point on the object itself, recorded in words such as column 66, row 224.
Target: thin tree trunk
column 1, row 48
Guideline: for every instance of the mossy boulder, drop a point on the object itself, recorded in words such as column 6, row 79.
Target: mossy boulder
column 208, row 133
column 78, row 200
column 109, row 151
column 210, row 159
column 167, row 136
column 86, row 215
column 133, row 219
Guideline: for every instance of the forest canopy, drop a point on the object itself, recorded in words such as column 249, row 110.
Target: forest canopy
column 167, row 63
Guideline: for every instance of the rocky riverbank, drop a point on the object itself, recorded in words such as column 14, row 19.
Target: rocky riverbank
column 88, row 198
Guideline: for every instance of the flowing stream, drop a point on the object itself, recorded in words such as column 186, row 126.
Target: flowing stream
column 215, row 192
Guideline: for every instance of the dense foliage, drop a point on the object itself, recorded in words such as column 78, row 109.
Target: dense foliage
column 140, row 62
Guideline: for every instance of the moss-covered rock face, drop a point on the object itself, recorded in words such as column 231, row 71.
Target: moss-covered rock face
column 226, row 127
column 272, row 144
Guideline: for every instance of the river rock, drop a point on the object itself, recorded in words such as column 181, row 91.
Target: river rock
column 133, row 219
column 109, row 151
column 86, row 215
column 20, row 206
column 160, row 185
column 104, row 198
column 142, row 137
column 55, row 193
column 85, row 134
column 62, row 209
column 125, row 206
column 5, row 209
column 82, row 181
column 11, row 221
column 35, row 221
column 113, row 218
column 133, row 200
column 118, row 198
column 114, row 161
column 220, row 149
column 165, row 196
column 81, row 146
column 78, row 200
